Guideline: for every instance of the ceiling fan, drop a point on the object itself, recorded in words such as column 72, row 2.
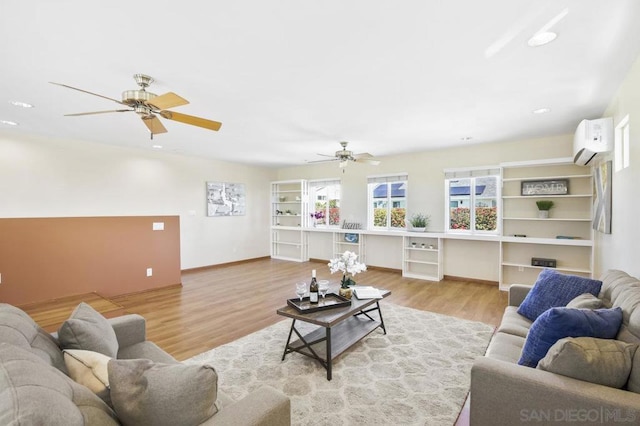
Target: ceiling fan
column 149, row 106
column 344, row 156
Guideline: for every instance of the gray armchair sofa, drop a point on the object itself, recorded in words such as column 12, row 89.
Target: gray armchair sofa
column 505, row 393
column 35, row 387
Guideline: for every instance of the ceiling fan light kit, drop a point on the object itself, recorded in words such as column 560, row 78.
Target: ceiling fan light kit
column 149, row 106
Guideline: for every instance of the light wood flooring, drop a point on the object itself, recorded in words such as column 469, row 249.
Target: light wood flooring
column 220, row 304
column 217, row 305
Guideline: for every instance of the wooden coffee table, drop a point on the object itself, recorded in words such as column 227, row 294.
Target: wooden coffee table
column 340, row 328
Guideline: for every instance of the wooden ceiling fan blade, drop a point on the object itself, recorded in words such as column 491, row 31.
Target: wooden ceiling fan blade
column 85, row 91
column 154, row 124
column 192, row 120
column 97, row 112
column 168, row 100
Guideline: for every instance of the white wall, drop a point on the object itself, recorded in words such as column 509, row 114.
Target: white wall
column 42, row 177
column 426, row 194
column 619, row 250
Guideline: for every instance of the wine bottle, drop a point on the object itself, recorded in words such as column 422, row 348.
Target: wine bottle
column 313, row 288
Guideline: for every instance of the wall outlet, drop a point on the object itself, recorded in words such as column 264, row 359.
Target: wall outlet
column 520, row 268
column 149, row 272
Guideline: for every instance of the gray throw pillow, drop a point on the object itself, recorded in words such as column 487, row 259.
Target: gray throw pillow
column 88, row 330
column 586, row 301
column 32, row 392
column 147, row 393
column 603, row 361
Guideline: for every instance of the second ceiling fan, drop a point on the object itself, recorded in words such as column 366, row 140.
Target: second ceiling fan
column 344, row 156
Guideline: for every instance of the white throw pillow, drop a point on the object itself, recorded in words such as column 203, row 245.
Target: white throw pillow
column 89, row 369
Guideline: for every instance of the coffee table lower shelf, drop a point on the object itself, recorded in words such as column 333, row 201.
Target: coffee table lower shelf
column 326, row 343
column 343, row 336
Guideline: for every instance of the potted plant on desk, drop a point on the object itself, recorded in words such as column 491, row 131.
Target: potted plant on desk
column 543, row 208
column 419, row 222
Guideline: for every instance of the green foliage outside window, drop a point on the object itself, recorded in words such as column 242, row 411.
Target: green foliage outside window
column 460, row 218
column 397, row 217
column 486, row 218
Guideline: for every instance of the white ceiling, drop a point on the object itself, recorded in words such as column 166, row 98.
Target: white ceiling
column 291, row 78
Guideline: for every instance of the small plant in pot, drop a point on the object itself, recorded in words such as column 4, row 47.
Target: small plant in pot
column 419, row 222
column 543, row 208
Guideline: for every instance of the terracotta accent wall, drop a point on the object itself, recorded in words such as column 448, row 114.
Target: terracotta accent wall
column 48, row 258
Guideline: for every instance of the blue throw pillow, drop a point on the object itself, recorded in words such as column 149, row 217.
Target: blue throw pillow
column 558, row 323
column 553, row 289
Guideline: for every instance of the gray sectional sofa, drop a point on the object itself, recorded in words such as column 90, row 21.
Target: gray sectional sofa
column 505, row 393
column 36, row 387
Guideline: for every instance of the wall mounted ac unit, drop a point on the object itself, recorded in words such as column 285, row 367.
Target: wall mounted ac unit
column 593, row 139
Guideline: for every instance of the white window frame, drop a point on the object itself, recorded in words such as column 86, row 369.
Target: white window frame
column 311, row 185
column 621, row 140
column 472, row 174
column 388, row 179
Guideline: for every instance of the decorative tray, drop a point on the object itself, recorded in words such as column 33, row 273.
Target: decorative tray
column 331, row 301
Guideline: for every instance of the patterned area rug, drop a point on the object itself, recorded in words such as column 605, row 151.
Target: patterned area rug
column 416, row 374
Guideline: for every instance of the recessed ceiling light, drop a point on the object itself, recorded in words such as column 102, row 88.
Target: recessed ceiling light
column 542, row 38
column 21, row 104
column 157, row 147
column 8, row 123
column 541, row 110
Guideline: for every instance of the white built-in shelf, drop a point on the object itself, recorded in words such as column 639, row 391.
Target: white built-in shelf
column 550, row 241
column 572, row 255
column 424, row 262
column 548, row 196
column 516, row 179
column 550, row 219
column 560, row 268
column 288, row 238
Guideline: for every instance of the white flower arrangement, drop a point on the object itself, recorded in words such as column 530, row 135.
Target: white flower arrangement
column 348, row 264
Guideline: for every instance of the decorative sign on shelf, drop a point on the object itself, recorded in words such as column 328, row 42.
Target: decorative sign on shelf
column 351, row 225
column 545, row 187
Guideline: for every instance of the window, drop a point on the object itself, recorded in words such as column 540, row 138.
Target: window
column 622, row 144
column 387, row 201
column 324, row 196
column 479, row 188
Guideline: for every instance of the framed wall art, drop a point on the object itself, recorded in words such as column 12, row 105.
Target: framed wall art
column 602, row 197
column 225, row 199
column 545, row 187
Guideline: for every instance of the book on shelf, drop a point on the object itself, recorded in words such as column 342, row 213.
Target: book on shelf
column 366, row 292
